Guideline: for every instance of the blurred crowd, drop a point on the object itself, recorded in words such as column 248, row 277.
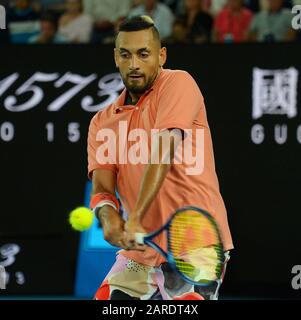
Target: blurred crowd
column 178, row 21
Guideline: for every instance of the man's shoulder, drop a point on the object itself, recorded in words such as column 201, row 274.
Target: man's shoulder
column 172, row 76
column 102, row 114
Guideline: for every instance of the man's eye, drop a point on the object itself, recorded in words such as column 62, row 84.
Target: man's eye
column 124, row 55
column 144, row 55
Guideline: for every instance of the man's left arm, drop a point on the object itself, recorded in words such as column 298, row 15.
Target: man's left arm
column 179, row 105
column 153, row 178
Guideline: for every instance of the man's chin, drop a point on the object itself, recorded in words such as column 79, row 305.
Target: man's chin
column 135, row 89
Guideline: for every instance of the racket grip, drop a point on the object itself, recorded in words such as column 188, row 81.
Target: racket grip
column 139, row 237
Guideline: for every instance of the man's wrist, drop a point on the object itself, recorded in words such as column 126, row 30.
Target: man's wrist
column 103, row 212
column 136, row 216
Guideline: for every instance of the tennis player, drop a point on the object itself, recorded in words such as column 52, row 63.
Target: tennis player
column 162, row 99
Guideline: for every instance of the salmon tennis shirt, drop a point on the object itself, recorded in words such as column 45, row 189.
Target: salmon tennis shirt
column 119, row 139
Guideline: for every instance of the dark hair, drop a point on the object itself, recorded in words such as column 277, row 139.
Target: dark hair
column 49, row 17
column 138, row 23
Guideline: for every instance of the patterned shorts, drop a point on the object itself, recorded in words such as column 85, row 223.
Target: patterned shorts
column 129, row 280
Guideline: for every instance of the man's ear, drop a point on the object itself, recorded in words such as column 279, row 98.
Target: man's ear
column 163, row 56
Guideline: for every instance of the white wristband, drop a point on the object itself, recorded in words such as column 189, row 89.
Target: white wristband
column 104, row 203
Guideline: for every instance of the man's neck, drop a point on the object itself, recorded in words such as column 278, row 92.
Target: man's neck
column 134, row 97
column 275, row 10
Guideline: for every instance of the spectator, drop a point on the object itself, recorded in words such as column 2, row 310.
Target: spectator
column 111, row 39
column 136, row 3
column 206, row 6
column 232, row 23
column 159, row 12
column 272, row 25
column 217, row 6
column 22, row 21
column 53, row 6
column 105, row 13
column 74, row 25
column 254, row 5
column 48, row 33
column 179, row 33
column 172, row 4
column 264, row 4
column 199, row 24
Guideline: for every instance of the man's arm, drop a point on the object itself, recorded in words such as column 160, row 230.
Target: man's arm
column 113, row 225
column 152, row 180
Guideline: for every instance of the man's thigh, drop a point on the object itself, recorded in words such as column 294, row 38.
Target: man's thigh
column 173, row 287
column 128, row 280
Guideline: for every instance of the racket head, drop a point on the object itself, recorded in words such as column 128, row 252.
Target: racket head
column 195, row 248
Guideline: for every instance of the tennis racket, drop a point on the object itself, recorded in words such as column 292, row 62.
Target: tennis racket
column 194, row 246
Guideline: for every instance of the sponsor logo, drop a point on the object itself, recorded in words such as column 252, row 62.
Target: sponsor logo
column 2, row 18
column 274, row 96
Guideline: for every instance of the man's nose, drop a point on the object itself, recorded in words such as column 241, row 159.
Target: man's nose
column 134, row 63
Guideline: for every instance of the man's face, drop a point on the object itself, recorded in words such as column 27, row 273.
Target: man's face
column 73, row 6
column 48, row 29
column 138, row 56
column 179, row 32
column 150, row 4
column 22, row 4
column 192, row 4
column 235, row 4
column 275, row 5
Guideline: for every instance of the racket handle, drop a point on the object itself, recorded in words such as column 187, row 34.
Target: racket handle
column 139, row 237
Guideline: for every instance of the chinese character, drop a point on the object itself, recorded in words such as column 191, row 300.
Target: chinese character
column 2, row 278
column 2, row 17
column 275, row 92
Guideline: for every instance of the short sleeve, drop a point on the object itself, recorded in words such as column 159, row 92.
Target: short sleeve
column 180, row 101
column 92, row 146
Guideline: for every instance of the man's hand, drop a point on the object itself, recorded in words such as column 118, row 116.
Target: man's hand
column 133, row 226
column 113, row 227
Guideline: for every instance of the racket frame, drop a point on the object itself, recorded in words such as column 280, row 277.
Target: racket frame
column 168, row 255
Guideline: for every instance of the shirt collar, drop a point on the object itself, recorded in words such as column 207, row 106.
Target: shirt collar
column 119, row 103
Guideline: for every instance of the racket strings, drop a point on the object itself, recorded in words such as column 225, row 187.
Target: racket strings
column 195, row 245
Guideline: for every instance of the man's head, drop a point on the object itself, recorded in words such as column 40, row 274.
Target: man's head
column 235, row 5
column 275, row 5
column 150, row 4
column 192, row 5
column 74, row 6
column 179, row 31
column 48, row 25
column 138, row 53
column 22, row 4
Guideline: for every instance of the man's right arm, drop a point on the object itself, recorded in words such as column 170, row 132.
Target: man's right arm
column 104, row 180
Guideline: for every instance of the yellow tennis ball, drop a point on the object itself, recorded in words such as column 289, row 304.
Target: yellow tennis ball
column 81, row 218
